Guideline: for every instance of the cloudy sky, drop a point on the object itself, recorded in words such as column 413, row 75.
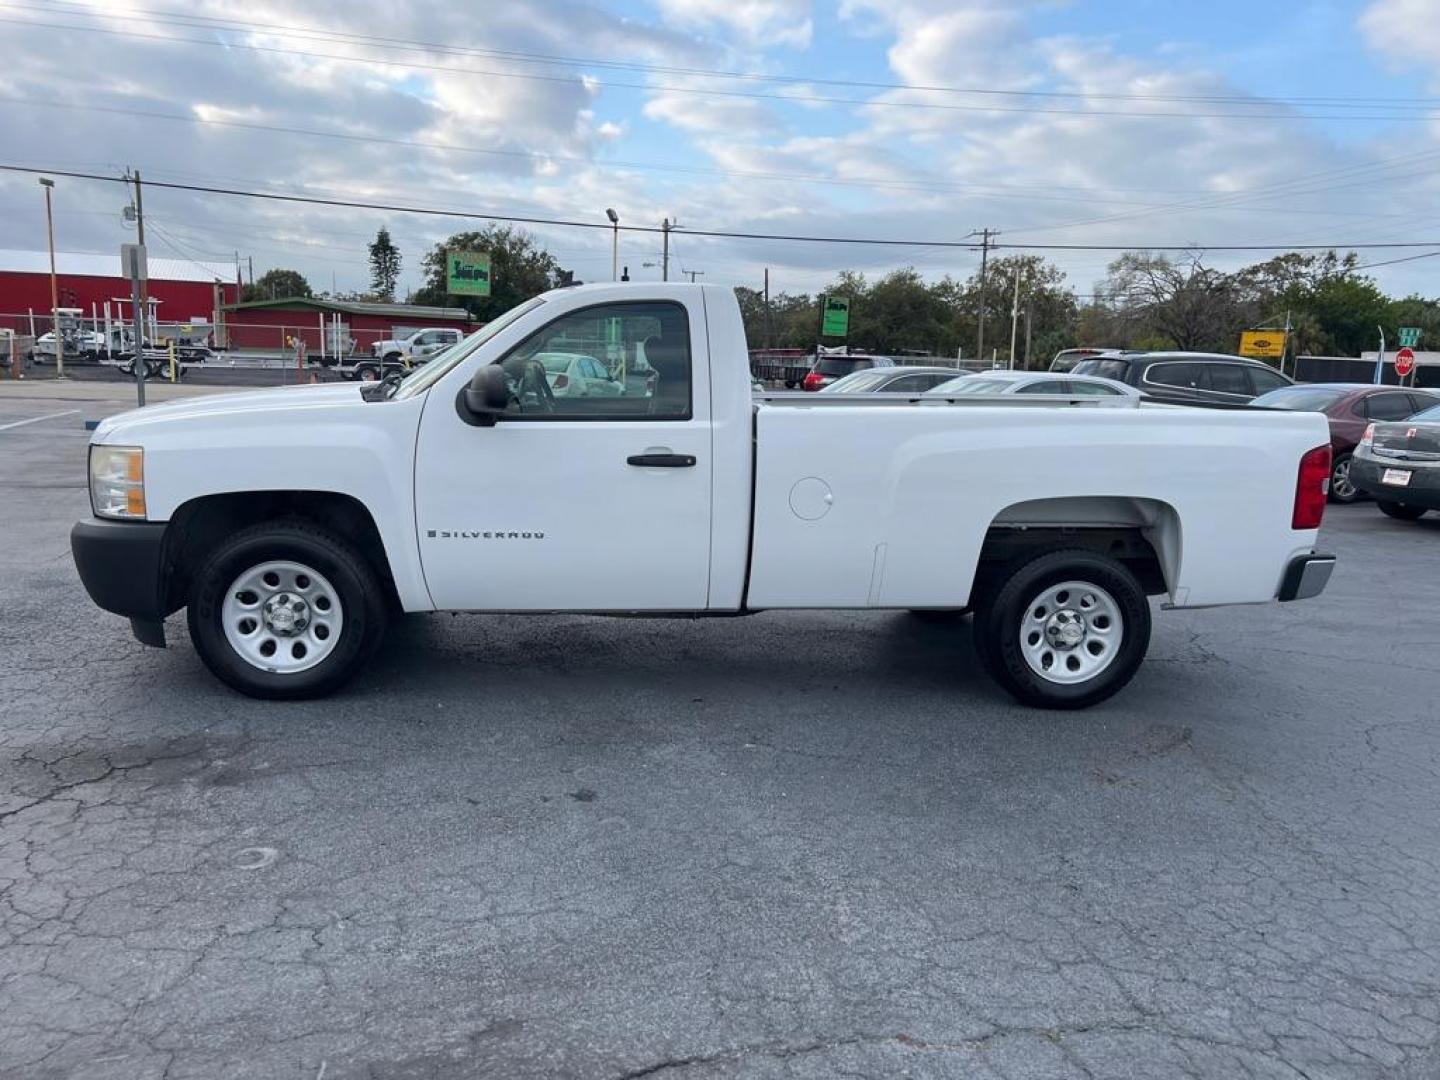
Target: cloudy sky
column 1129, row 122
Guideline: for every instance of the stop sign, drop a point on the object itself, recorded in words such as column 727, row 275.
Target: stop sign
column 1404, row 362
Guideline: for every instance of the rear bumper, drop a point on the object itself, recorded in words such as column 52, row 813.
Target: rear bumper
column 1423, row 490
column 1306, row 576
column 120, row 564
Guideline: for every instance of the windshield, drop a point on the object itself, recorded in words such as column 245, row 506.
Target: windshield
column 977, row 385
column 1299, row 398
column 445, row 360
column 1430, row 415
column 949, row 385
column 855, row 382
column 555, row 363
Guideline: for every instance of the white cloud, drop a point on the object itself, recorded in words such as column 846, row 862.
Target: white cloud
column 763, row 23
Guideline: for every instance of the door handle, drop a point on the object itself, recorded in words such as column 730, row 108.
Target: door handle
column 661, row 461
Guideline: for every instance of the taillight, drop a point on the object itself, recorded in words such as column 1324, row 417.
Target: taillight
column 1312, row 486
column 813, row 381
column 1368, row 439
column 561, row 382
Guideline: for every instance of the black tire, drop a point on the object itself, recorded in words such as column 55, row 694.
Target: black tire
column 1342, row 491
column 1400, row 511
column 360, row 593
column 1002, row 611
column 367, row 372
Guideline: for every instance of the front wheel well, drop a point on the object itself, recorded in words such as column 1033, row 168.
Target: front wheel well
column 198, row 525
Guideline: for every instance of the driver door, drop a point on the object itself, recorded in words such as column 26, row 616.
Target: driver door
column 586, row 503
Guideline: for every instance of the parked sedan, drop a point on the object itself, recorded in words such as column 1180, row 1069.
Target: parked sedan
column 1033, row 382
column 891, row 380
column 1397, row 463
column 578, row 375
column 1348, row 407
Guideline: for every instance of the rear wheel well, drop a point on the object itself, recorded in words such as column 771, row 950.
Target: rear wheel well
column 1007, row 544
column 198, row 525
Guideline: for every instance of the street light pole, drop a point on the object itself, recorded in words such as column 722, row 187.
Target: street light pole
column 614, row 244
column 49, row 185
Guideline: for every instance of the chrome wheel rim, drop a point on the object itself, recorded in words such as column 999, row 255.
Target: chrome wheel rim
column 1340, row 480
column 282, row 616
column 1071, row 632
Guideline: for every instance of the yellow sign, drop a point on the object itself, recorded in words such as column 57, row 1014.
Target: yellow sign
column 1266, row 344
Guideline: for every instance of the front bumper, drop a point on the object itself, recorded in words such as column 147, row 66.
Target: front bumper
column 1306, row 576
column 121, row 566
column 1423, row 489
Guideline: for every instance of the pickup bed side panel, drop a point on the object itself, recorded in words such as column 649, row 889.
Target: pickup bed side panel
column 733, row 446
column 889, row 506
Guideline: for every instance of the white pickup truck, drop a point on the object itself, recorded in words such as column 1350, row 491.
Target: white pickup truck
column 293, row 523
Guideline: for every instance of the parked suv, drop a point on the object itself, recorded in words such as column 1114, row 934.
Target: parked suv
column 829, row 368
column 1188, row 376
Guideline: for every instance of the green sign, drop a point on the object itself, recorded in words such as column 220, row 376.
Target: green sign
column 467, row 273
column 1409, row 337
column 834, row 316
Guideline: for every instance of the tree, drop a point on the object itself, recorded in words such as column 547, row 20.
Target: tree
column 519, row 269
column 384, row 265
column 277, row 284
column 1185, row 304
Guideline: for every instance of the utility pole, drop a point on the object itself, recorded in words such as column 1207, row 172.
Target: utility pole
column 1029, row 312
column 769, row 326
column 144, row 284
column 49, row 186
column 665, row 251
column 1014, row 317
column 693, row 274
column 985, row 236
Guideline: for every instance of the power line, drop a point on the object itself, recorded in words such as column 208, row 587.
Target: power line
column 1416, row 117
column 390, row 43
column 725, row 234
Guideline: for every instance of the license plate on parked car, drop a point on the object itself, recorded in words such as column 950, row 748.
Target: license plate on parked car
column 1397, row 477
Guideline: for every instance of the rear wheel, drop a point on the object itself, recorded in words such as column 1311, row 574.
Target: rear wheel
column 367, row 372
column 1341, row 489
column 1401, row 510
column 286, row 610
column 1064, row 630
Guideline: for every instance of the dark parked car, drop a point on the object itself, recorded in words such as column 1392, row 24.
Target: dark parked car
column 827, row 369
column 1187, row 377
column 891, row 380
column 1349, row 408
column 1398, row 464
column 1066, row 359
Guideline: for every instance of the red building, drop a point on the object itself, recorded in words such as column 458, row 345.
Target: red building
column 273, row 325
column 181, row 291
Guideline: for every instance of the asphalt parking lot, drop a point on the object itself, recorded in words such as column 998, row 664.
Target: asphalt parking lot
column 796, row 845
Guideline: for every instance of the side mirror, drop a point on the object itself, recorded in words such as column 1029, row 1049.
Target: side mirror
column 487, row 396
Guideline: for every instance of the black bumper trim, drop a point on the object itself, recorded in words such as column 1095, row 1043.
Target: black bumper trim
column 121, row 567
column 1306, row 576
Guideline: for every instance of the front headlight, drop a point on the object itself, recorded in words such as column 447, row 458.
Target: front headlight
column 117, row 482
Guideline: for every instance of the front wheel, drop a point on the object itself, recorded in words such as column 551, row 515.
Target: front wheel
column 1400, row 511
column 286, row 610
column 1065, row 630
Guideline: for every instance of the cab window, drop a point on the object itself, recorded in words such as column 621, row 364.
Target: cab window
column 639, row 354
